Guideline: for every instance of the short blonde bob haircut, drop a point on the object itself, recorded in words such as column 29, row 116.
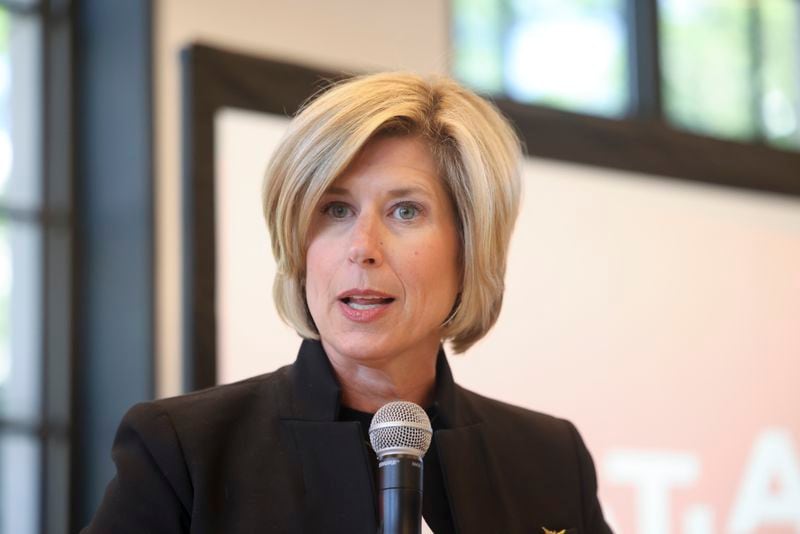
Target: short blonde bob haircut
column 479, row 158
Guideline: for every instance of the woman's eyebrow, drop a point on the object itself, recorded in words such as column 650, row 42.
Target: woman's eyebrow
column 405, row 191
column 334, row 190
column 399, row 192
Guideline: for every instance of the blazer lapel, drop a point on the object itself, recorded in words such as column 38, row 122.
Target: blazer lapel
column 339, row 493
column 475, row 499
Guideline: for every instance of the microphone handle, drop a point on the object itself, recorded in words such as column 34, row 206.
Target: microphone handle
column 400, row 484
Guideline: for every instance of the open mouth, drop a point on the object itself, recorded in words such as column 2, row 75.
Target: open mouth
column 366, row 303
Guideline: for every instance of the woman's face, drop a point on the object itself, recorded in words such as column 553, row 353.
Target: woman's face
column 382, row 262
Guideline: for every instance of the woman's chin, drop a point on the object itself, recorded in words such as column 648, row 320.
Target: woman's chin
column 358, row 346
column 379, row 348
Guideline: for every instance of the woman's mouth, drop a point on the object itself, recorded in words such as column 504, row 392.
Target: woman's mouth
column 366, row 303
column 363, row 306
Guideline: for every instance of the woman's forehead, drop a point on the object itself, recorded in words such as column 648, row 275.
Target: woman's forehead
column 395, row 165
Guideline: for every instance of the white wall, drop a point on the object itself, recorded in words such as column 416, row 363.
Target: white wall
column 358, row 35
column 659, row 316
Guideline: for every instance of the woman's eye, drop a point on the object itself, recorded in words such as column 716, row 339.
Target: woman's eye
column 337, row 211
column 406, row 212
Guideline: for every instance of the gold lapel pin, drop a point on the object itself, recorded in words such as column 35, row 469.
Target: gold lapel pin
column 548, row 531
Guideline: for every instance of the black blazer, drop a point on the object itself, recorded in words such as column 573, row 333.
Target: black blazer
column 268, row 455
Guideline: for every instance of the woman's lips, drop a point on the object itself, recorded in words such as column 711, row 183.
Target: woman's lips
column 364, row 308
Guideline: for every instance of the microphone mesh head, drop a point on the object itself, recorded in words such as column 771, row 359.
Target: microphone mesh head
column 400, row 427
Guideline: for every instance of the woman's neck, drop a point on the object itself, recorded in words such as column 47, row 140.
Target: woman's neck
column 369, row 383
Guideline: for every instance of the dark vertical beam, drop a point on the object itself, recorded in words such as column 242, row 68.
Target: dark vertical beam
column 199, row 335
column 755, row 66
column 57, row 257
column 644, row 60
column 114, row 366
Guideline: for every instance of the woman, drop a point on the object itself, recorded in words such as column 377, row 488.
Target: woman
column 390, row 204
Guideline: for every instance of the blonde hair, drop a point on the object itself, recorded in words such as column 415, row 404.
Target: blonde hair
column 479, row 158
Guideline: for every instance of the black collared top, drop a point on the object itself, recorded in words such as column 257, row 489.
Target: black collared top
column 272, row 454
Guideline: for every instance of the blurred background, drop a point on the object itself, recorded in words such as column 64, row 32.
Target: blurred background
column 654, row 280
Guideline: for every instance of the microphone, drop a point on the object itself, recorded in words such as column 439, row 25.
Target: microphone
column 400, row 434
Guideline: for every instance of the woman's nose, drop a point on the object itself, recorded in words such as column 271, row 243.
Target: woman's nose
column 366, row 243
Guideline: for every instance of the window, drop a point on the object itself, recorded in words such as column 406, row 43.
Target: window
column 726, row 68
column 519, row 48
column 20, row 272
column 731, row 68
column 34, row 269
